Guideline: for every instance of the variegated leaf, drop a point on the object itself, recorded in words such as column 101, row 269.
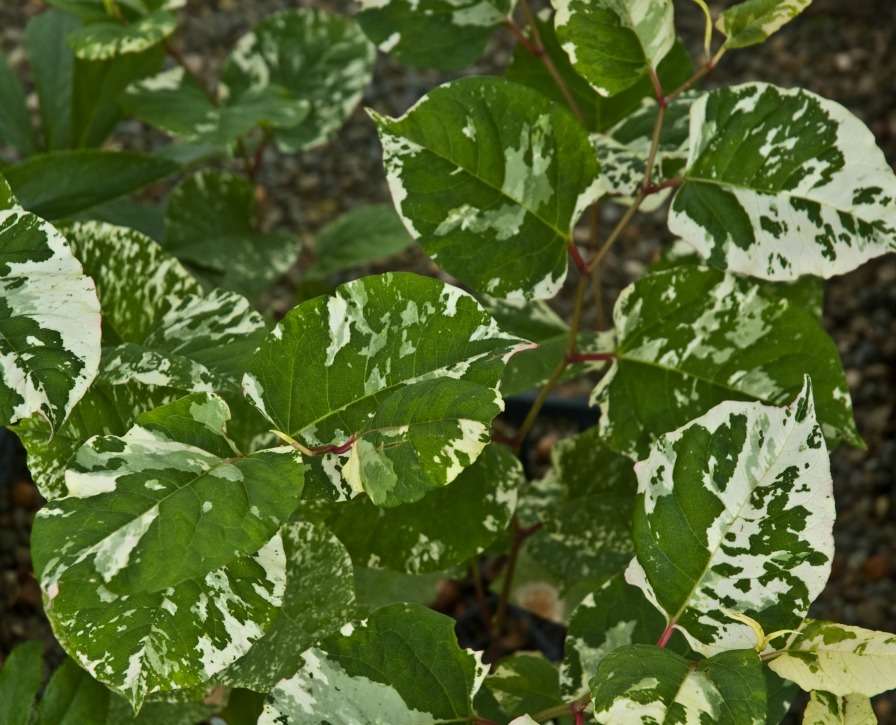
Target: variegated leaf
column 839, row 659
column 111, row 38
column 165, row 562
column 49, row 319
column 614, row 616
column 692, row 337
column 444, row 34
column 211, row 224
column 752, row 21
column 827, row 709
column 315, row 56
column 519, row 684
column 735, row 513
column 175, row 102
column 445, row 528
column 491, row 177
column 613, row 43
column 782, row 183
column 646, row 684
column 585, row 504
column 319, row 599
column 399, row 372
column 401, row 666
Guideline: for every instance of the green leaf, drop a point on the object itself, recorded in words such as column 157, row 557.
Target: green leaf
column 318, row 57
column 752, row 21
column 109, row 39
column 692, row 337
column 600, row 113
column 615, row 615
column 446, row 527
column 442, row 34
column 15, row 119
column 175, row 102
column 49, row 320
column 73, row 697
column 519, row 684
column 827, row 709
column 782, row 183
column 363, row 235
column 735, row 513
column 62, row 183
column 164, row 563
column 401, row 369
column 586, row 516
column 20, row 679
column 378, row 587
column 613, row 43
column 376, row 672
column 642, row 683
column 212, row 226
column 160, row 327
column 779, row 696
column 491, row 177
column 839, row 659
column 319, row 599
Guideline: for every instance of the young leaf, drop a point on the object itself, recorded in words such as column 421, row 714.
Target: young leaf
column 753, row 21
column 519, row 684
column 211, row 225
column 782, row 183
column 442, row 34
column 642, row 683
column 15, row 119
column 173, row 536
column 319, row 599
column 396, row 372
column 691, row 337
column 613, row 43
column 322, row 58
column 49, row 319
column 373, row 671
column 839, row 659
column 614, row 616
column 445, row 528
column 585, row 504
column 175, row 102
column 735, row 513
column 62, row 183
column 104, row 40
column 362, row 235
column 490, row 177
column 20, row 679
column 827, row 709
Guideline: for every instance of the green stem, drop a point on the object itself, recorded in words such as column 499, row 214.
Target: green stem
column 520, row 535
column 707, row 33
column 566, row 708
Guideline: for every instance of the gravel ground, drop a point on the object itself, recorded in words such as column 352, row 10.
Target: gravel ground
column 838, row 49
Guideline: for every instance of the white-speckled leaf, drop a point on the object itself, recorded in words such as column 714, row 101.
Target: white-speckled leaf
column 315, row 56
column 839, row 659
column 318, row 600
column 490, row 177
column 691, row 337
column 752, row 21
column 49, row 319
column 110, row 38
column 443, row 34
column 522, row 683
column 782, row 183
column 613, row 43
column 401, row 666
column 585, row 504
column 211, row 224
column 645, row 684
column 164, row 562
column 825, row 708
column 400, row 371
column 445, row 528
column 735, row 513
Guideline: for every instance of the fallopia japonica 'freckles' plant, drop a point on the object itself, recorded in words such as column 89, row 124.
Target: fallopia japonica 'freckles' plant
column 219, row 487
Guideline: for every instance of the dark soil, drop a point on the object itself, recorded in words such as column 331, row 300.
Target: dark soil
column 842, row 50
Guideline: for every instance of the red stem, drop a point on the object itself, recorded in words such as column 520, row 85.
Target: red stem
column 320, row 450
column 577, row 257
column 666, row 635
column 577, row 357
